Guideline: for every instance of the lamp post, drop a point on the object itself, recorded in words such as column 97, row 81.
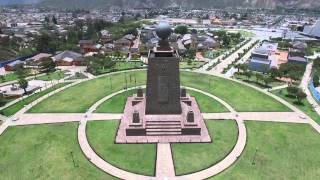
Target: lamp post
column 254, row 157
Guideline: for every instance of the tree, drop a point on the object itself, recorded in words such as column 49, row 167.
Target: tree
column 20, row 70
column 316, row 80
column 181, row 30
column 300, row 96
column 267, row 80
column 248, row 74
column 23, row 83
column 292, row 91
column 47, row 65
column 258, row 77
column 274, row 73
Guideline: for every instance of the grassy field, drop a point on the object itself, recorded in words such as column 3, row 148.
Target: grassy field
column 45, row 152
column 240, row 97
column 52, row 76
column 193, row 157
column 305, row 106
column 11, row 110
column 77, row 76
column 277, row 151
column 8, row 77
column 120, row 66
column 138, row 158
column 193, row 64
column 252, row 80
column 116, row 104
column 80, row 97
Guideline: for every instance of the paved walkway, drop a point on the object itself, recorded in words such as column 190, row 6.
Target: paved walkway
column 224, row 63
column 304, row 85
column 164, row 167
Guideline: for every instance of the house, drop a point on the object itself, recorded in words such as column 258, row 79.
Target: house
column 10, row 66
column 87, row 46
column 123, row 44
column 297, row 57
column 38, row 57
column 260, row 60
column 68, row 58
column 299, row 45
column 105, row 37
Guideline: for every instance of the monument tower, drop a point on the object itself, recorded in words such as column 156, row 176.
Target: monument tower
column 163, row 79
column 166, row 113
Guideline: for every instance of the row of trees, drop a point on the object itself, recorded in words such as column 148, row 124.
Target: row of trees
column 297, row 93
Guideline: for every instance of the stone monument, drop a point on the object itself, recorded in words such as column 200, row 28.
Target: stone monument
column 165, row 113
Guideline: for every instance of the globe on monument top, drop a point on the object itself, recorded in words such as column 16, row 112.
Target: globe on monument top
column 163, row 30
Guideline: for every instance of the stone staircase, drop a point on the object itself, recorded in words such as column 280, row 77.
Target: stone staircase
column 163, row 128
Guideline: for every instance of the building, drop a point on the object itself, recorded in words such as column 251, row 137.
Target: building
column 87, row 46
column 105, row 37
column 313, row 30
column 10, row 66
column 297, row 57
column 68, row 58
column 260, row 60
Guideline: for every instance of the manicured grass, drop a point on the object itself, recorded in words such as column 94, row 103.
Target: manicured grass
column 45, row 152
column 8, row 77
column 138, row 158
column 252, row 80
column 123, row 65
column 11, row 110
column 305, row 106
column 193, row 157
column 77, row 76
column 240, row 97
column 52, row 76
column 80, row 97
column 193, row 64
column 277, row 151
column 116, row 104
column 207, row 104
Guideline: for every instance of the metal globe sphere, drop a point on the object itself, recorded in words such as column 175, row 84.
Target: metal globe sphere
column 163, row 30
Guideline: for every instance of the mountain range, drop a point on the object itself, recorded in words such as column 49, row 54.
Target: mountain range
column 91, row 4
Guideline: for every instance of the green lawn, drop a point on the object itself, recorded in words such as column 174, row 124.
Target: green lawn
column 77, row 76
column 194, row 157
column 80, row 97
column 9, row 77
column 207, row 104
column 252, row 80
column 193, row 64
column 138, row 158
column 45, row 152
column 305, row 106
column 52, row 76
column 284, row 151
column 240, row 97
column 116, row 104
column 11, row 110
column 123, row 65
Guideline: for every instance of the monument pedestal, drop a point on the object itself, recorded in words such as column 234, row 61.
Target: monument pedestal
column 188, row 126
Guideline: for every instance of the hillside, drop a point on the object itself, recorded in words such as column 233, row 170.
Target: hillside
column 91, row 4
